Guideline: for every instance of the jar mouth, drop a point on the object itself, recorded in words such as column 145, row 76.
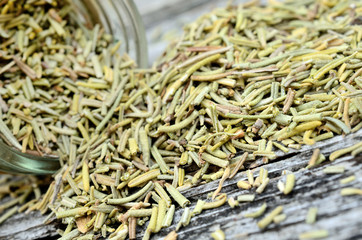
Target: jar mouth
column 121, row 19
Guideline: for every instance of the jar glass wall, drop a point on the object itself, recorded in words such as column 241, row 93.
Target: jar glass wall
column 121, row 19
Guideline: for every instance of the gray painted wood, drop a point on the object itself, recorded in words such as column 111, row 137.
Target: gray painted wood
column 163, row 18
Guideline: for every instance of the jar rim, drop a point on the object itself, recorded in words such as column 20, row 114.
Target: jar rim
column 15, row 161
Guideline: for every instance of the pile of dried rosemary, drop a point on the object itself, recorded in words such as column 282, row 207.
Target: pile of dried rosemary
column 242, row 82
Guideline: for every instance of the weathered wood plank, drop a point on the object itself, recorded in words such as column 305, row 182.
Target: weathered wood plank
column 339, row 215
column 27, row 227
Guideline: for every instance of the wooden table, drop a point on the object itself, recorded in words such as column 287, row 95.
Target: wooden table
column 341, row 216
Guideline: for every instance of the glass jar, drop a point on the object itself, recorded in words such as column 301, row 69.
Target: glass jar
column 119, row 18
